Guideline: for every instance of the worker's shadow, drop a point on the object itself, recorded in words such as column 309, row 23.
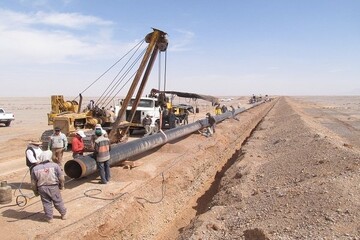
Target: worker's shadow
column 71, row 183
column 16, row 215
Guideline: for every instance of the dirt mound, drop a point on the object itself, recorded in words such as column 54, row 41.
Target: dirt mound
column 293, row 182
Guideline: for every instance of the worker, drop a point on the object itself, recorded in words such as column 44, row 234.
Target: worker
column 224, row 109
column 146, row 122
column 153, row 126
column 47, row 179
column 98, row 126
column 94, row 137
column 102, row 155
column 217, row 110
column 172, row 119
column 58, row 144
column 210, row 130
column 91, row 105
column 32, row 153
column 186, row 116
column 77, row 144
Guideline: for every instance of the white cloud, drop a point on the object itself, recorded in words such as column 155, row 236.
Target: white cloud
column 69, row 20
column 54, row 37
column 182, row 42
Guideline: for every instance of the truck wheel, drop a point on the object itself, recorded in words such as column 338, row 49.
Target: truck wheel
column 7, row 123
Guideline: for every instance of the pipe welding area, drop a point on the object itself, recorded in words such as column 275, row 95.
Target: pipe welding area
column 86, row 165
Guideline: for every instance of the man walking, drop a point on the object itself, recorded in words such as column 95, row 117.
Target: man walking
column 102, row 156
column 47, row 180
column 58, row 144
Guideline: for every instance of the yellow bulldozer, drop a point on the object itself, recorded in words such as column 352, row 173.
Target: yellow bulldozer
column 67, row 115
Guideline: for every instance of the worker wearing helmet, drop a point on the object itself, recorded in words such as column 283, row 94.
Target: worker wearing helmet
column 47, row 180
column 77, row 145
column 102, row 155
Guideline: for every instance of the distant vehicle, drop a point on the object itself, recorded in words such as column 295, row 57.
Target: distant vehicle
column 6, row 118
column 226, row 99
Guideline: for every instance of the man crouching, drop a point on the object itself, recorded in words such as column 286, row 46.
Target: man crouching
column 47, row 179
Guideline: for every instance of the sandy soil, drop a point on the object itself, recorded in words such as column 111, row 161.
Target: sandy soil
column 288, row 169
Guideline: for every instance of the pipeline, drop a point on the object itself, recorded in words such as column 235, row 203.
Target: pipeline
column 86, row 165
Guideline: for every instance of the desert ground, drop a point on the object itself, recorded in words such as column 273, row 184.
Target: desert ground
column 285, row 169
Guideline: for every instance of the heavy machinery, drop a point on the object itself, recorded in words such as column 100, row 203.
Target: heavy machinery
column 60, row 106
column 129, row 114
column 157, row 43
column 181, row 111
column 68, row 117
column 159, row 106
column 147, row 106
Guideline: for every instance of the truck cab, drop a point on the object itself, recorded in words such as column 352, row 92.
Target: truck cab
column 147, row 106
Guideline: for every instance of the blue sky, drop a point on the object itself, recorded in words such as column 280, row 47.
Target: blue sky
column 222, row 48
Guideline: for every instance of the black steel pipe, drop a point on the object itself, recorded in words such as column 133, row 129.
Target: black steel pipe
column 86, row 165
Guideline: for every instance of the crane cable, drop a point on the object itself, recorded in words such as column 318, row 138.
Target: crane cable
column 109, row 90
column 107, row 100
column 165, row 70
column 140, row 43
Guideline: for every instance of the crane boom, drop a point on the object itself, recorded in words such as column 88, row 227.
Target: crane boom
column 157, row 42
column 214, row 100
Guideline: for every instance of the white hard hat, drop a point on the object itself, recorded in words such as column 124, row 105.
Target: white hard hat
column 45, row 156
column 81, row 133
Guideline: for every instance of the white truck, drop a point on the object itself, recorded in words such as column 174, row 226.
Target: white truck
column 147, row 106
column 6, row 118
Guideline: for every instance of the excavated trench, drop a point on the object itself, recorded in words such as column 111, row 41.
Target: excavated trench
column 205, row 200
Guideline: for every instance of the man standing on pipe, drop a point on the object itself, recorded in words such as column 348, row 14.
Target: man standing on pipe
column 102, row 156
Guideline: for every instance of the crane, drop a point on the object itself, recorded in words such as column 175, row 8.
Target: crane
column 157, row 42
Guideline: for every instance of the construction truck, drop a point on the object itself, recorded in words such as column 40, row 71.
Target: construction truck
column 147, row 106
